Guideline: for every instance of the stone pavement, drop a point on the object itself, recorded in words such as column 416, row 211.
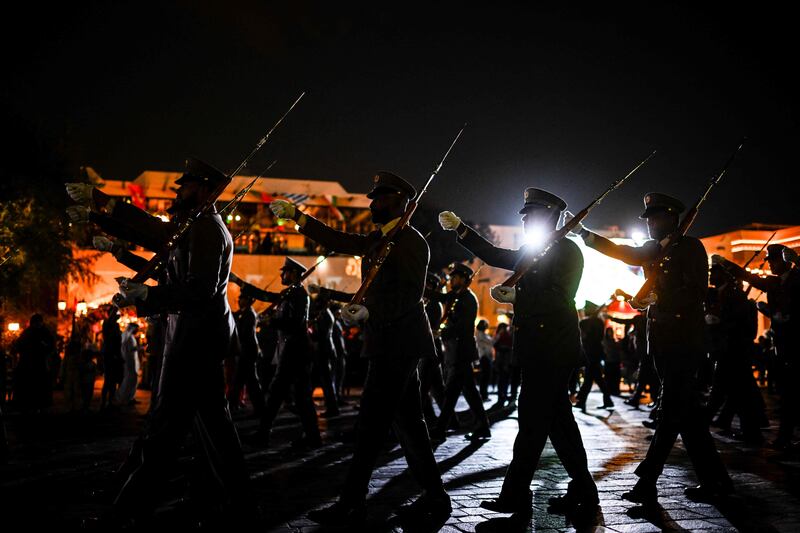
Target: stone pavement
column 60, row 461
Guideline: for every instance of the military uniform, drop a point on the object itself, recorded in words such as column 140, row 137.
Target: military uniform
column 396, row 336
column 592, row 332
column 546, row 343
column 249, row 351
column 783, row 295
column 431, row 381
column 325, row 357
column 676, row 340
column 199, row 333
column 293, row 354
column 460, row 351
column 732, row 324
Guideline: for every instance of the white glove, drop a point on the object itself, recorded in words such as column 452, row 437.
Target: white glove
column 313, row 288
column 712, row 319
column 354, row 313
column 283, row 209
column 578, row 228
column 645, row 302
column 102, row 243
column 78, row 214
column 504, row 295
column 717, row 259
column 789, row 255
column 233, row 278
column 129, row 293
column 80, row 193
column 449, row 221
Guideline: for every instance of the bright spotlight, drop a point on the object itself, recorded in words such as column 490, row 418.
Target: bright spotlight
column 536, row 236
column 638, row 236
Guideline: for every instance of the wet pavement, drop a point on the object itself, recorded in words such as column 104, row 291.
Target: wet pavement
column 61, row 467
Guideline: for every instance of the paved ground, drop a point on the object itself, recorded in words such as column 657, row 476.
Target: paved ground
column 60, row 463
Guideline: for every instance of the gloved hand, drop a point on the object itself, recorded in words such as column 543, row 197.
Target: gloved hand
column 578, row 228
column 78, row 214
column 313, row 288
column 103, row 244
column 504, row 295
column 283, row 209
column 80, row 193
column 233, row 278
column 717, row 259
column 789, row 255
column 354, row 313
column 449, row 221
column 711, row 319
column 645, row 302
column 129, row 293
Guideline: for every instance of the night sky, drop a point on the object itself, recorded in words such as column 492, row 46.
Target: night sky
column 566, row 99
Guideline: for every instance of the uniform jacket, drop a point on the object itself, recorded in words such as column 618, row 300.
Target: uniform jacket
column 676, row 323
column 200, row 326
column 289, row 316
column 545, row 324
column 397, row 325
column 458, row 324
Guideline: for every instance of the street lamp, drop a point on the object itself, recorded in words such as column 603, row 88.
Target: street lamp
column 62, row 305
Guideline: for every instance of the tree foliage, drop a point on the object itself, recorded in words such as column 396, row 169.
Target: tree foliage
column 35, row 235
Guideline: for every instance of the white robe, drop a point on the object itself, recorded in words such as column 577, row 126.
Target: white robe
column 130, row 376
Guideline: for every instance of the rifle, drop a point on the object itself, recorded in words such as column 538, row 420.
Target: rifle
column 450, row 306
column 158, row 261
column 387, row 243
column 282, row 295
column 761, row 266
column 559, row 234
column 684, row 226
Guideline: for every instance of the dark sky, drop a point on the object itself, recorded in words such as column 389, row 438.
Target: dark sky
column 563, row 98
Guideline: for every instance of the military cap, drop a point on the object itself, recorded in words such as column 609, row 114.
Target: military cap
column 540, row 198
column 775, row 251
column 656, row 201
column 291, row 264
column 386, row 182
column 200, row 171
column 434, row 279
column 462, row 269
column 590, row 307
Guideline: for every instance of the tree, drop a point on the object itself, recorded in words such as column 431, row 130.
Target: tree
column 36, row 239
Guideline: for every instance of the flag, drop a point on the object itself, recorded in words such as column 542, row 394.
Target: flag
column 335, row 213
column 137, row 195
column 297, row 199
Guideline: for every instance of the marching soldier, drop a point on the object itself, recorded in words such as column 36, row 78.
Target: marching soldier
column 783, row 295
column 325, row 357
column 732, row 324
column 199, row 333
column 246, row 374
column 460, row 350
column 397, row 335
column 676, row 341
column 431, row 382
column 592, row 331
column 293, row 354
column 547, row 346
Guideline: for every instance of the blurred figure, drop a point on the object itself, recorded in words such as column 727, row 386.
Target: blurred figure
column 486, row 356
column 502, row 362
column 112, row 358
column 35, row 345
column 126, row 395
